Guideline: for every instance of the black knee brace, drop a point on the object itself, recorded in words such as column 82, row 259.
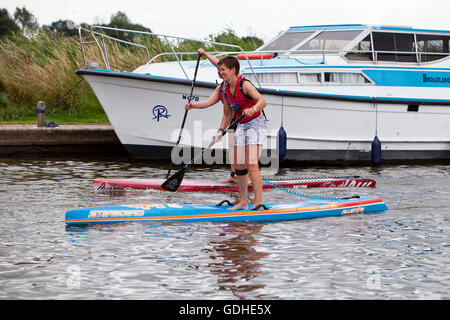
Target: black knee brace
column 241, row 172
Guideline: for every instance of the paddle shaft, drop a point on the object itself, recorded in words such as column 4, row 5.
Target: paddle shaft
column 173, row 182
column 186, row 111
column 233, row 123
column 189, row 99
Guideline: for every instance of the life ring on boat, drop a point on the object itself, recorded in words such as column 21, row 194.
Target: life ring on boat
column 254, row 56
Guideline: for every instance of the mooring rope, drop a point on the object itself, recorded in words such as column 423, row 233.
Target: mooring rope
column 65, row 94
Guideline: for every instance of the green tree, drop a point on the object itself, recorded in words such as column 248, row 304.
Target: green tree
column 7, row 25
column 228, row 36
column 26, row 20
column 253, row 41
column 64, row 28
column 120, row 20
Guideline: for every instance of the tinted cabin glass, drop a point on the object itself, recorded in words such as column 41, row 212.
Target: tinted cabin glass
column 401, row 45
column 362, row 51
column 286, row 41
column 430, row 45
column 331, row 40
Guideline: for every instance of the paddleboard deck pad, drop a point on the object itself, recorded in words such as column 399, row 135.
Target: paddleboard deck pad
column 197, row 212
column 190, row 185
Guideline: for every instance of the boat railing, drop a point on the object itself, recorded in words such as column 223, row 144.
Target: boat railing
column 104, row 51
column 99, row 40
column 374, row 54
column 181, row 54
column 370, row 56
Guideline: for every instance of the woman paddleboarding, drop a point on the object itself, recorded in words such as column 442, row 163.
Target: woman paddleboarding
column 242, row 98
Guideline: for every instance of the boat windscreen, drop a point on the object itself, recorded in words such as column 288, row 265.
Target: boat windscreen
column 331, row 40
column 286, row 41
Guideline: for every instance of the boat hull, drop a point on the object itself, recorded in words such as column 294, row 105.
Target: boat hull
column 202, row 213
column 147, row 111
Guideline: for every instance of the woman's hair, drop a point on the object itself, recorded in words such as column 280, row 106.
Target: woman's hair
column 230, row 62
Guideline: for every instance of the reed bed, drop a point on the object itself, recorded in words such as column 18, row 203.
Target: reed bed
column 43, row 68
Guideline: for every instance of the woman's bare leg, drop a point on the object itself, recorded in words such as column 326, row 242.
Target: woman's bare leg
column 242, row 180
column 231, row 157
column 254, row 152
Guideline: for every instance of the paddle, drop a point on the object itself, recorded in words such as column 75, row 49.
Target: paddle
column 186, row 111
column 174, row 181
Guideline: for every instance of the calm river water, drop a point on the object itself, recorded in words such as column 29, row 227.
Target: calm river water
column 402, row 253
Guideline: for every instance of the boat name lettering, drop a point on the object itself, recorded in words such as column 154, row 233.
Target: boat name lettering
column 353, row 210
column 190, row 97
column 115, row 213
column 435, row 79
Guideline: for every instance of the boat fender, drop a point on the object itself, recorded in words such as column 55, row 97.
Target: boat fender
column 376, row 151
column 281, row 146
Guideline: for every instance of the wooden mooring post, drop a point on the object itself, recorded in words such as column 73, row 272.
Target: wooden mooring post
column 40, row 111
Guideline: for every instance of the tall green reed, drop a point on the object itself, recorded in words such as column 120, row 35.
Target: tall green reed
column 43, row 68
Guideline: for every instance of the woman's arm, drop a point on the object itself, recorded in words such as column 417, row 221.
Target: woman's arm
column 210, row 57
column 250, row 90
column 225, row 122
column 212, row 100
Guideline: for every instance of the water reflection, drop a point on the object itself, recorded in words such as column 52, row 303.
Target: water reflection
column 326, row 258
column 235, row 259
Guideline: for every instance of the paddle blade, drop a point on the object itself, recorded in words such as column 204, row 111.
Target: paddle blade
column 174, row 181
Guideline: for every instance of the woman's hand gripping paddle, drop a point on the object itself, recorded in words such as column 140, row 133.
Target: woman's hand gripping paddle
column 174, row 181
column 186, row 111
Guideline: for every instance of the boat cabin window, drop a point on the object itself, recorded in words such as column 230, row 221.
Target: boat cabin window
column 307, row 78
column 362, row 51
column 273, row 77
column 429, row 47
column 394, row 47
column 331, row 40
column 286, row 41
column 345, row 78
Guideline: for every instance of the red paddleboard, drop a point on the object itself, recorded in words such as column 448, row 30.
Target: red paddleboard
column 189, row 185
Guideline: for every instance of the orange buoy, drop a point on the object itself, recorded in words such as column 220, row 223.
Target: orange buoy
column 253, row 56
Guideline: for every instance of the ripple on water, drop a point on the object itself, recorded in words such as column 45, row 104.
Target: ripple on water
column 400, row 254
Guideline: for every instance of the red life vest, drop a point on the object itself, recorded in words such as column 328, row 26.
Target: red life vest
column 221, row 97
column 240, row 101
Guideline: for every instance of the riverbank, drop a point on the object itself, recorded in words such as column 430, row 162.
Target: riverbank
column 29, row 139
